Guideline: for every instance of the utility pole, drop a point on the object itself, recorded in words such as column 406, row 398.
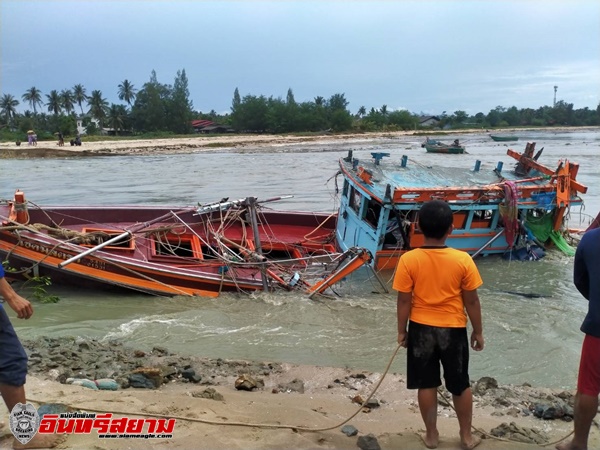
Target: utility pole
column 555, row 89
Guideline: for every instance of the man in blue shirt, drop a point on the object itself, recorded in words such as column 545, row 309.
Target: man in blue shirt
column 13, row 359
column 586, row 276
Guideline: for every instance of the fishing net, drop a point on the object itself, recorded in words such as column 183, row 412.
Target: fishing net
column 541, row 227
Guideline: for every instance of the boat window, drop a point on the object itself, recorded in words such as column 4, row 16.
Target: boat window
column 482, row 218
column 97, row 236
column 355, row 200
column 373, row 212
column 179, row 246
column 345, row 188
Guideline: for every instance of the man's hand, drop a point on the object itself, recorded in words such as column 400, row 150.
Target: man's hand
column 402, row 338
column 20, row 305
column 477, row 341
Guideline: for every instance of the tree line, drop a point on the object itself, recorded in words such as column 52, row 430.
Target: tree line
column 167, row 109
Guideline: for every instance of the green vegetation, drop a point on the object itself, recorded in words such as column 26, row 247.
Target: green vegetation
column 160, row 110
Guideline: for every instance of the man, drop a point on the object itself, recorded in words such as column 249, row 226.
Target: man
column 13, row 360
column 437, row 290
column 586, row 276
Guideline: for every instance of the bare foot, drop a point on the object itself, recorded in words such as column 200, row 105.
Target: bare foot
column 471, row 443
column 569, row 446
column 41, row 441
column 430, row 441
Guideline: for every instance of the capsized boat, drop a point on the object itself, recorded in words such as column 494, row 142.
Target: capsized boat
column 435, row 146
column 508, row 212
column 237, row 245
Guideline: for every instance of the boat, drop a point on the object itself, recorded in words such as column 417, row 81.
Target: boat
column 498, row 138
column 238, row 245
column 514, row 213
column 435, row 146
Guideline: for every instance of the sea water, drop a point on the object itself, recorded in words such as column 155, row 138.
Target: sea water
column 531, row 310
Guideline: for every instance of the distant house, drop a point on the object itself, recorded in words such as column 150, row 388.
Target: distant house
column 81, row 129
column 429, row 121
column 208, row 126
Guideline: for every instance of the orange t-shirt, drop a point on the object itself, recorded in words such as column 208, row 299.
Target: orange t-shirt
column 436, row 277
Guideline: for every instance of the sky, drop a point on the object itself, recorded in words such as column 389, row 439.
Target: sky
column 424, row 56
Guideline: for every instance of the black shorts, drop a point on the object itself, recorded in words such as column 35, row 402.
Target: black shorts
column 13, row 359
column 429, row 346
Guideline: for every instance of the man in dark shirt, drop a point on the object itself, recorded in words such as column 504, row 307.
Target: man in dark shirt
column 586, row 276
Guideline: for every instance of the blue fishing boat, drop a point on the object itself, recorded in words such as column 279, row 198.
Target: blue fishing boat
column 513, row 212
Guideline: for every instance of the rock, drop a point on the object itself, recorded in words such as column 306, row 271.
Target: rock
column 484, row 384
column 209, row 393
column 372, row 403
column 245, row 383
column 139, row 353
column 161, row 351
column 349, row 430
column 150, row 373
column 137, row 380
column 368, row 442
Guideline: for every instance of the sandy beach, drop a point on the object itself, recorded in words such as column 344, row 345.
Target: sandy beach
column 292, row 406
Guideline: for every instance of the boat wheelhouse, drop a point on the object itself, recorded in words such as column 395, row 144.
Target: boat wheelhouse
column 495, row 211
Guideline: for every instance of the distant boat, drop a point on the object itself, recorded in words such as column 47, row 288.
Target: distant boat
column 504, row 138
column 435, row 146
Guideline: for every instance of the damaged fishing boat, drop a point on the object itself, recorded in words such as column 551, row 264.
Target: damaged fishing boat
column 238, row 245
column 512, row 213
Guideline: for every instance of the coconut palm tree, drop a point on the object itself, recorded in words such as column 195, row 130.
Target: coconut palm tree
column 8, row 107
column 79, row 95
column 34, row 97
column 67, row 100
column 117, row 116
column 127, row 91
column 98, row 106
column 361, row 111
column 54, row 102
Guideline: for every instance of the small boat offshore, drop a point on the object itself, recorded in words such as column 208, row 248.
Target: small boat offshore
column 238, row 245
column 498, row 138
column 514, row 213
column 435, row 146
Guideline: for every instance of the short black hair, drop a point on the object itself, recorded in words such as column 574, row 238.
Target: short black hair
column 435, row 219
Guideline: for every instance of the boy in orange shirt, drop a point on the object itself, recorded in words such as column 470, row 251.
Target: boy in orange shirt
column 435, row 285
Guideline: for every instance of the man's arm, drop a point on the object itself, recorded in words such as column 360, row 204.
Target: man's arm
column 403, row 306
column 20, row 305
column 581, row 277
column 473, row 307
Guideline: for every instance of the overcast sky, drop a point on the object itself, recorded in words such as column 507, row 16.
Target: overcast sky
column 424, row 56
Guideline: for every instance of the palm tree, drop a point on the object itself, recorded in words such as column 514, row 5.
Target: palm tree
column 67, row 100
column 98, row 106
column 79, row 95
column 319, row 101
column 8, row 106
column 127, row 91
column 362, row 111
column 116, row 117
column 54, row 102
column 34, row 97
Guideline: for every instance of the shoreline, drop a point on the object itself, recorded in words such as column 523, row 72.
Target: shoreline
column 203, row 143
column 287, row 395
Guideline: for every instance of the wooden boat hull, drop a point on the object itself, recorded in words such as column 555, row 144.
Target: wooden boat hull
column 453, row 150
column 504, row 138
column 183, row 253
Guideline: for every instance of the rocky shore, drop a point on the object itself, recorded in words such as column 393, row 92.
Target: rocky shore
column 92, row 369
